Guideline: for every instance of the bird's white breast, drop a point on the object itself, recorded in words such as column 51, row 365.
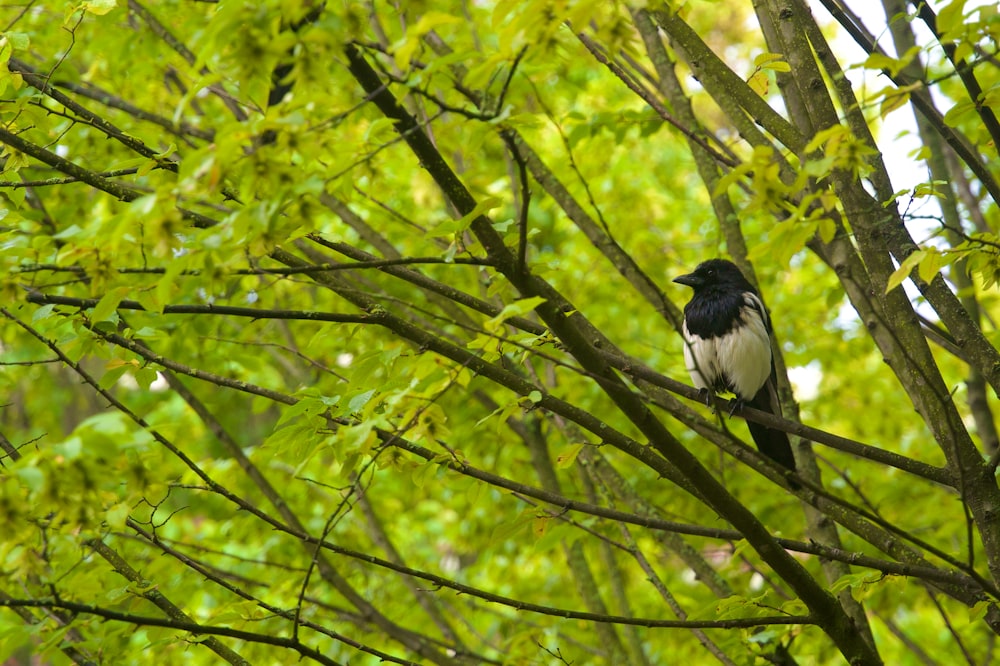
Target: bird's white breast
column 744, row 351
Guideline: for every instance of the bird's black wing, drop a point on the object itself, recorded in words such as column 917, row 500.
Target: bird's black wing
column 772, row 443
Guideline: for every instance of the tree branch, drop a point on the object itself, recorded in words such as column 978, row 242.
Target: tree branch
column 169, row 623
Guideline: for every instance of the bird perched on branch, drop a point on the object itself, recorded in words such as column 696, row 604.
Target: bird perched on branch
column 727, row 347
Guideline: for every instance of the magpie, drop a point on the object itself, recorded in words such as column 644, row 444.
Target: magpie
column 727, row 347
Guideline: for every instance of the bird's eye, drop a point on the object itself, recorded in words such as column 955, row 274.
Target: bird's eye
column 710, row 272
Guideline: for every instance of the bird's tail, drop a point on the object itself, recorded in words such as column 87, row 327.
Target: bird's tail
column 772, row 443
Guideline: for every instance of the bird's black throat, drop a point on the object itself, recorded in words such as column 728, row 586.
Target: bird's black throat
column 714, row 311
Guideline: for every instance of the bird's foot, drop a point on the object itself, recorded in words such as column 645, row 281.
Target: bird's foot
column 706, row 396
column 735, row 405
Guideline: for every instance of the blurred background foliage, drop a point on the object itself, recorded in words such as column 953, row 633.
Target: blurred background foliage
column 218, row 175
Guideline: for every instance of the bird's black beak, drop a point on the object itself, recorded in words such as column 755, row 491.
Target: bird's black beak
column 690, row 280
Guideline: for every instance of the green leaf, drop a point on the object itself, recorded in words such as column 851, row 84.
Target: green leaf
column 880, row 61
column 827, row 229
column 904, row 270
column 558, row 535
column 166, row 285
column 116, row 515
column 785, row 239
column 855, row 581
column 461, row 224
column 825, row 136
column 978, row 612
column 779, row 66
column 894, row 197
column 380, row 130
column 305, row 406
column 889, row 64
column 795, row 607
column 99, row 7
column 567, row 456
column 13, row 638
column 509, row 528
column 956, row 113
column 930, row 265
column 929, row 189
column 760, row 83
column 108, row 304
column 114, row 372
column 42, row 313
column 69, row 232
column 414, row 36
column 739, row 548
column 951, row 18
column 736, row 607
column 964, row 49
column 360, row 400
column 32, row 477
column 893, row 100
column 145, row 377
column 424, row 473
column 19, row 41
column 731, row 177
column 765, row 58
column 518, row 308
column 501, row 413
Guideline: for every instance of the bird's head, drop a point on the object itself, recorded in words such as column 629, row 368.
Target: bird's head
column 712, row 273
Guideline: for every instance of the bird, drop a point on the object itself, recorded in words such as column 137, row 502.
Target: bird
column 727, row 348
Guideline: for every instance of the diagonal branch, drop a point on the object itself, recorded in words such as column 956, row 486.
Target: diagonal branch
column 158, row 599
column 92, row 178
column 194, row 628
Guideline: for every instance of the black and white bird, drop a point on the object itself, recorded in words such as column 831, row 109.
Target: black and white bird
column 727, row 347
